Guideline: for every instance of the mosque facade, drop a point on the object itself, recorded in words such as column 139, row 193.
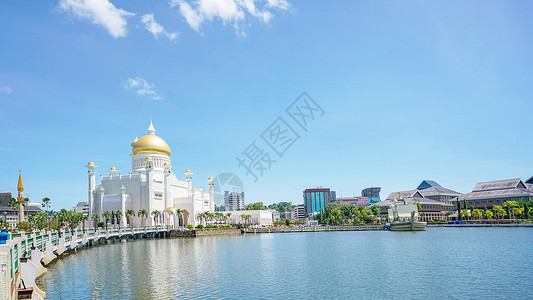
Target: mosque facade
column 151, row 185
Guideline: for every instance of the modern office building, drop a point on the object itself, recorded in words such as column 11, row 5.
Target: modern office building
column 429, row 209
column 487, row 194
column 82, row 207
column 372, row 193
column 300, row 212
column 316, row 199
column 233, row 200
column 357, row 201
column 432, row 190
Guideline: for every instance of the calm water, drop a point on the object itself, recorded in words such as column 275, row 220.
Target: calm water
column 451, row 263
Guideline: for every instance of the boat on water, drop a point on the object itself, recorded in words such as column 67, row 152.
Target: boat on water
column 404, row 216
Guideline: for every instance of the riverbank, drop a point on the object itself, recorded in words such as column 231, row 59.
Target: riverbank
column 481, row 225
column 312, row 229
column 203, row 232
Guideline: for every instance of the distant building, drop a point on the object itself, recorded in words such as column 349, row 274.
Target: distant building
column 432, row 190
column 257, row 217
column 275, row 214
column 12, row 216
column 357, row 201
column 529, row 183
column 315, row 200
column 487, row 194
column 300, row 212
column 233, row 200
column 429, row 209
column 372, row 193
column 82, row 207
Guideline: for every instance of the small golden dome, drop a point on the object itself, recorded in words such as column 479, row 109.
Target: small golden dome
column 151, row 143
column 149, row 158
column 122, row 187
column 113, row 169
column 101, row 188
column 188, row 171
column 210, row 179
column 91, row 164
column 166, row 164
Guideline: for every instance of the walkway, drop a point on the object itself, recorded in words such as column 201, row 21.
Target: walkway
column 21, row 257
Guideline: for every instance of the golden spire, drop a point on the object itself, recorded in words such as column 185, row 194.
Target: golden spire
column 20, row 186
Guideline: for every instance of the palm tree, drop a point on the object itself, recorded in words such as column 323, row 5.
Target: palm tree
column 155, row 215
column 130, row 213
column 227, row 217
column 107, row 216
column 14, row 204
column 46, row 206
column 96, row 219
column 143, row 213
column 118, row 216
column 84, row 217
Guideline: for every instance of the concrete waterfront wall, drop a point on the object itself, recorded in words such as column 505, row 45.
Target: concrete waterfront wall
column 205, row 232
column 218, row 232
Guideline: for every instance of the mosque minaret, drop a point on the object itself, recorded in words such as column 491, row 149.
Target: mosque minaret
column 151, row 185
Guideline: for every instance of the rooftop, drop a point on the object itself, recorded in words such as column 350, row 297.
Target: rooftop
column 438, row 190
column 427, row 184
column 499, row 185
column 512, row 192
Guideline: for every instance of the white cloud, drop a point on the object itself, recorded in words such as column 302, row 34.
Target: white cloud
column 155, row 28
column 101, row 12
column 228, row 11
column 6, row 89
column 143, row 87
column 281, row 4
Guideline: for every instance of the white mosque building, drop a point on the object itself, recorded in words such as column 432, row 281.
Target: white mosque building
column 151, row 185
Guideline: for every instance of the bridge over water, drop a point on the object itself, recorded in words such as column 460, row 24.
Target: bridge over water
column 22, row 258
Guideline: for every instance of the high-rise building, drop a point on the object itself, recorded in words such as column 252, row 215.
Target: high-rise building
column 315, row 200
column 233, row 200
column 300, row 212
column 372, row 193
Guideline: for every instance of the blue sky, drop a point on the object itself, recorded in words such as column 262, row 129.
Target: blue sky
column 411, row 90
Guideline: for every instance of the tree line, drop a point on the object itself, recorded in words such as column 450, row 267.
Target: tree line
column 336, row 214
column 508, row 210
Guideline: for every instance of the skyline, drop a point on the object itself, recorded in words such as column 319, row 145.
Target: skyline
column 417, row 91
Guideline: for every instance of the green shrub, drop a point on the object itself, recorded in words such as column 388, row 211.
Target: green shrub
column 24, row 225
column 101, row 224
column 190, row 227
column 200, row 226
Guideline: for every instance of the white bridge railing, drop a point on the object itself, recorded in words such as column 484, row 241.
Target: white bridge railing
column 31, row 248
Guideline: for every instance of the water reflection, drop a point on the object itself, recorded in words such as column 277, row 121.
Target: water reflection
column 432, row 264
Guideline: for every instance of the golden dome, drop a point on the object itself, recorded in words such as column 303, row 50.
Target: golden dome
column 149, row 158
column 113, row 169
column 166, row 164
column 210, row 179
column 91, row 164
column 151, row 143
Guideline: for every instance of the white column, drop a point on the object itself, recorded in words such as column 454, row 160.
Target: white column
column 211, row 194
column 149, row 187
column 123, row 206
column 91, row 172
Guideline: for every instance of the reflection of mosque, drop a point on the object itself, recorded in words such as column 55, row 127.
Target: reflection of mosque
column 151, row 185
